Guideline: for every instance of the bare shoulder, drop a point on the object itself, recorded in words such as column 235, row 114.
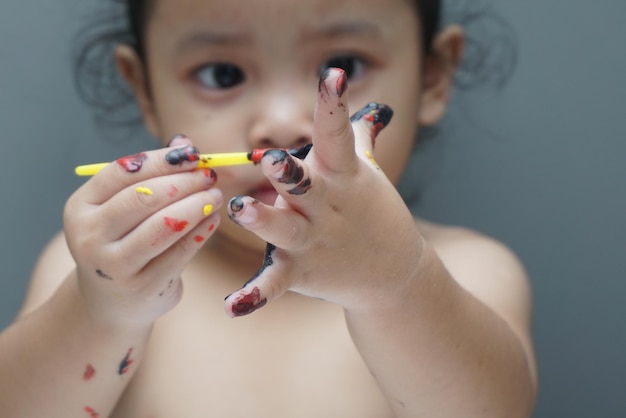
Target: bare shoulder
column 486, row 268
column 53, row 266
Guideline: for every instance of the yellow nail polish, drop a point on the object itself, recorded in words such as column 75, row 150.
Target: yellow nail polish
column 144, row 190
column 208, row 209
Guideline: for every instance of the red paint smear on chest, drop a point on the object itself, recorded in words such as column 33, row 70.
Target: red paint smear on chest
column 92, row 413
column 175, row 224
column 90, row 372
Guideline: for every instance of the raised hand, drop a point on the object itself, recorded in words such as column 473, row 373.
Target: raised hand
column 338, row 230
column 133, row 227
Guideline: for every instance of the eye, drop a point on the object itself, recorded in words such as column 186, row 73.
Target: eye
column 219, row 76
column 352, row 65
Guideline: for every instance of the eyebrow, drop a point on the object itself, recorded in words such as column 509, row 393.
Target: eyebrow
column 210, row 37
column 344, row 29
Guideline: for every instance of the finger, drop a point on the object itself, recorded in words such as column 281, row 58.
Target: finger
column 333, row 139
column 131, row 169
column 293, row 179
column 165, row 228
column 267, row 284
column 136, row 203
column 368, row 122
column 172, row 261
column 284, row 227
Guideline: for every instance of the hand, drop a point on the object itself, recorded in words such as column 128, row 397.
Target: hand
column 132, row 228
column 338, row 229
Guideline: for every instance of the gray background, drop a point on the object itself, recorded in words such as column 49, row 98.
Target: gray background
column 539, row 166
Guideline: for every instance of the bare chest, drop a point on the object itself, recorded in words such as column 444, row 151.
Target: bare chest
column 279, row 362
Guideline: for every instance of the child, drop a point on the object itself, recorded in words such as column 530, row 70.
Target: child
column 360, row 310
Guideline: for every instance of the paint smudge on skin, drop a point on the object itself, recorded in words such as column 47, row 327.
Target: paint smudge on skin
column 378, row 115
column 172, row 191
column 175, row 225
column 132, row 163
column 125, row 363
column 210, row 173
column 144, row 190
column 212, row 228
column 370, row 156
column 199, row 238
column 92, row 413
column 250, row 302
column 169, row 286
column 89, row 373
column 179, row 155
column 207, row 210
column 293, row 173
column 103, row 275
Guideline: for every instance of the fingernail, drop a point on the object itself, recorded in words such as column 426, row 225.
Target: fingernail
column 180, row 155
column 177, row 140
column 246, row 303
column 378, row 115
column 329, row 86
column 242, row 213
column 133, row 163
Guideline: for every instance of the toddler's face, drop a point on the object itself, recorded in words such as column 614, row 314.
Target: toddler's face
column 241, row 74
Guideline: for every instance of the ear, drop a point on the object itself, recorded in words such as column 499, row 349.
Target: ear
column 439, row 70
column 133, row 70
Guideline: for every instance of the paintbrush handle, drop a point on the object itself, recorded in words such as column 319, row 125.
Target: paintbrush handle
column 204, row 161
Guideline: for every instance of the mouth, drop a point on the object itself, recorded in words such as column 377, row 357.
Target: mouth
column 264, row 193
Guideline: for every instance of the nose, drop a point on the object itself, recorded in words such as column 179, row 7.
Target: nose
column 283, row 118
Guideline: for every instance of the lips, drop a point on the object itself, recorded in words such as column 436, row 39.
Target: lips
column 264, row 193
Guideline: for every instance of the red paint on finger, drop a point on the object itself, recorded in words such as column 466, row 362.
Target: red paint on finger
column 90, row 372
column 248, row 303
column 175, row 225
column 199, row 238
column 212, row 228
column 173, row 190
column 133, row 163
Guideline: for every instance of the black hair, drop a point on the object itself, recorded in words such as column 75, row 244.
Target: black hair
column 489, row 58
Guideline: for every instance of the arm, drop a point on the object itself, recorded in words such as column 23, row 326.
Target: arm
column 446, row 347
column 59, row 360
column 89, row 311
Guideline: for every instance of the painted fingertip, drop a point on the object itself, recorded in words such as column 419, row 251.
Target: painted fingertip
column 181, row 155
column 241, row 211
column 378, row 116
column 245, row 302
column 285, row 167
column 333, row 82
column 132, row 163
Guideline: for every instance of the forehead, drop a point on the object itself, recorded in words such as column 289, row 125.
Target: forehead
column 283, row 16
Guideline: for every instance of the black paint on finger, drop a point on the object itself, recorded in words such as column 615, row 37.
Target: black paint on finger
column 180, row 155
